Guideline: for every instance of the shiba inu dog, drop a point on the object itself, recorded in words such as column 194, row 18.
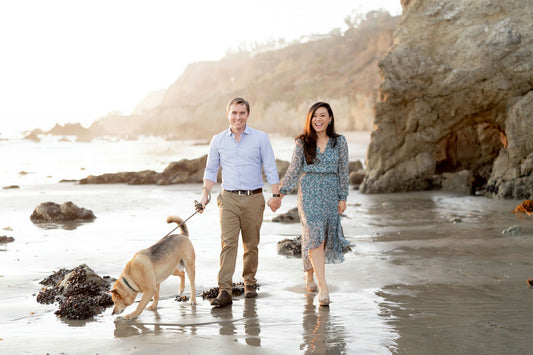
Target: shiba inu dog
column 149, row 267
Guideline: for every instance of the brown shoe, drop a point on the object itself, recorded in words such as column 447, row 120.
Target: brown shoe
column 223, row 299
column 250, row 292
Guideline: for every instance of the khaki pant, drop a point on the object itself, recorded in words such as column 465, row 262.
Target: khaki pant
column 244, row 214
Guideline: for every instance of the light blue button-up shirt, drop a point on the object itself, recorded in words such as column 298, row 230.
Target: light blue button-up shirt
column 242, row 161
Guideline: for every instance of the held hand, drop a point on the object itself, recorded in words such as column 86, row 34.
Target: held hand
column 274, row 203
column 341, row 207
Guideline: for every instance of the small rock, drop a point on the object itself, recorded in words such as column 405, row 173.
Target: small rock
column 11, row 187
column 290, row 217
column 6, row 239
column 513, row 230
column 291, row 247
column 182, row 298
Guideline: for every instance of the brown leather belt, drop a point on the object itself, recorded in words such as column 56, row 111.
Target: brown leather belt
column 246, row 192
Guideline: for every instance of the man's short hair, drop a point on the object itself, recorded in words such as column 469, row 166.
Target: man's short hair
column 238, row 101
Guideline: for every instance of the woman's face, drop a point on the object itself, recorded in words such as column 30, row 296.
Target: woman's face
column 320, row 120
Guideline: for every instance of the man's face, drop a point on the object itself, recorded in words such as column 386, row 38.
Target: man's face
column 237, row 117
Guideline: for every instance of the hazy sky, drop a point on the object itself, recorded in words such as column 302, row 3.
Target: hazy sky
column 76, row 61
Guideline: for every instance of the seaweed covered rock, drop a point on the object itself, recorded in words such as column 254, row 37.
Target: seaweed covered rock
column 291, row 216
column 53, row 212
column 80, row 293
column 291, row 247
column 237, row 290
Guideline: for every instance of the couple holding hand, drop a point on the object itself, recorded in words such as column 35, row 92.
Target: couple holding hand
column 319, row 166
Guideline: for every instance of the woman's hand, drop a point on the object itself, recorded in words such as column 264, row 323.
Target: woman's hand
column 341, row 207
column 274, row 203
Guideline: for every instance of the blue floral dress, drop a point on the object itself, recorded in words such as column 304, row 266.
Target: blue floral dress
column 320, row 188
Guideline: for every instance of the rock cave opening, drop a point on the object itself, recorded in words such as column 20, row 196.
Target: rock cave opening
column 472, row 148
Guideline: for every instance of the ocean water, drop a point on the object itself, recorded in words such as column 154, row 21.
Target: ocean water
column 55, row 158
column 428, row 272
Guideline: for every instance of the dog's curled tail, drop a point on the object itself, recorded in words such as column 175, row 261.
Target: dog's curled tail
column 179, row 221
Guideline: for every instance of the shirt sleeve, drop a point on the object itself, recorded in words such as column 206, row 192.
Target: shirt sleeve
column 269, row 161
column 213, row 161
column 343, row 168
column 292, row 175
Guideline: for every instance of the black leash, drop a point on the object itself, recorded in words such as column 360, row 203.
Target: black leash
column 198, row 207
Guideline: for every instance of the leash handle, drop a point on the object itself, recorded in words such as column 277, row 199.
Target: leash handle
column 198, row 208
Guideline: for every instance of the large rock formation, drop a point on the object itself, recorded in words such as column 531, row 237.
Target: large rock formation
column 281, row 83
column 457, row 94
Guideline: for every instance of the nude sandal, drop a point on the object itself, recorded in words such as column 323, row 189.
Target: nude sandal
column 324, row 302
column 311, row 286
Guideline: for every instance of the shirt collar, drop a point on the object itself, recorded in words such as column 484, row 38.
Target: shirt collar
column 246, row 131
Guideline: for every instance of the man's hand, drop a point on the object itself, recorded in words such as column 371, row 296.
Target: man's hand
column 198, row 206
column 204, row 200
column 274, row 203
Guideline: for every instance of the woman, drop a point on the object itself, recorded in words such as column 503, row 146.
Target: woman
column 319, row 165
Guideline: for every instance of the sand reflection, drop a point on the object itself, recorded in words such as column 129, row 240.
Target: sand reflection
column 251, row 323
column 224, row 317
column 321, row 334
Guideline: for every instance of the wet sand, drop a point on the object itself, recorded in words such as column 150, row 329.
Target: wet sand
column 428, row 273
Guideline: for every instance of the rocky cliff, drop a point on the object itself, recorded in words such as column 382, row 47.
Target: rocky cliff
column 280, row 84
column 456, row 99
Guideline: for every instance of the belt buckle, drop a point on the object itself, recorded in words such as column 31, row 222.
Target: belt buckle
column 242, row 193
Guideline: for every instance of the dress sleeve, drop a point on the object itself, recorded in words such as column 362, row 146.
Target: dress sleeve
column 289, row 181
column 343, row 168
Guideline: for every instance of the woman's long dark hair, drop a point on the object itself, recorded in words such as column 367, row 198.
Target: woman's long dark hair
column 309, row 137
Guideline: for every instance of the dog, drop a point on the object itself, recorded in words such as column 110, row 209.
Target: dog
column 149, row 267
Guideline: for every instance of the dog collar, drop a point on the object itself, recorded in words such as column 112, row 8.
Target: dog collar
column 127, row 284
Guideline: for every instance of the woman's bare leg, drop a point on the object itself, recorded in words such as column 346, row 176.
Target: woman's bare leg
column 309, row 281
column 319, row 266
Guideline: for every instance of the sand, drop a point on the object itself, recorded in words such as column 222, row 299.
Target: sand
column 428, row 273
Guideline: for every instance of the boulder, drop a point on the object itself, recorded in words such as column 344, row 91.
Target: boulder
column 461, row 182
column 456, row 95
column 181, row 172
column 53, row 212
column 34, row 135
column 291, row 216
column 185, row 171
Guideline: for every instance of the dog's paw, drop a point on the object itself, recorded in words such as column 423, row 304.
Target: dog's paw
column 152, row 308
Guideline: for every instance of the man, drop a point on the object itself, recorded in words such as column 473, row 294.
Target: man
column 242, row 152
